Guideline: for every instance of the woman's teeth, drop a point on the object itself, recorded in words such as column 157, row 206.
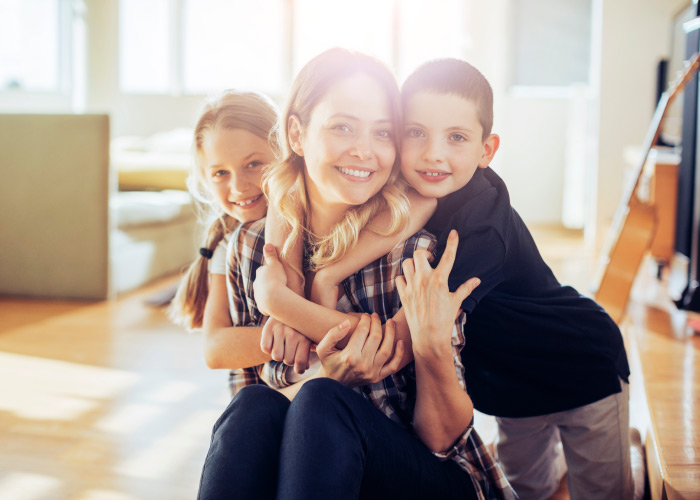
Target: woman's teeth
column 433, row 174
column 355, row 173
column 247, row 202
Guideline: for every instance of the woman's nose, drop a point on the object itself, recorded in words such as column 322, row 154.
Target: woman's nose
column 362, row 148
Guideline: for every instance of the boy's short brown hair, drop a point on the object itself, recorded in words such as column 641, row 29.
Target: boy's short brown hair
column 453, row 76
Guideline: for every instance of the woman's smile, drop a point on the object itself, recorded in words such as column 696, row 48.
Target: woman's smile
column 356, row 174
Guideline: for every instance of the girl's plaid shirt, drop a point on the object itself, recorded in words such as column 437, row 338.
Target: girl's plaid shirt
column 371, row 289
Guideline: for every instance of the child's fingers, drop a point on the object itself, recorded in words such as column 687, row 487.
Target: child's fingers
column 448, row 256
column 331, row 339
column 466, row 288
column 301, row 361
column 277, row 352
column 291, row 344
column 266, row 338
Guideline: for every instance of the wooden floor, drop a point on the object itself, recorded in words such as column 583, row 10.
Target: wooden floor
column 109, row 401
column 103, row 401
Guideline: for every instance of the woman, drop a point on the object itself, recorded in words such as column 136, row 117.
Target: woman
column 339, row 170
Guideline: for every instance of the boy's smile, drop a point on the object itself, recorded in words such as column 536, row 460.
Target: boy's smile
column 443, row 144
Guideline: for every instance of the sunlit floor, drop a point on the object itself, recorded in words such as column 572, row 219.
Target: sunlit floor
column 109, row 401
column 103, row 401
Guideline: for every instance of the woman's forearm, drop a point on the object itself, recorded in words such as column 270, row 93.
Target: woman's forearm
column 443, row 409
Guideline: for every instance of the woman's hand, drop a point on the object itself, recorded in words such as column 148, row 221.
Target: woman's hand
column 367, row 358
column 284, row 343
column 429, row 306
column 268, row 278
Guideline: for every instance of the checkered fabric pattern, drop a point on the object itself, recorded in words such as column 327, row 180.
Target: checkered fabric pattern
column 370, row 290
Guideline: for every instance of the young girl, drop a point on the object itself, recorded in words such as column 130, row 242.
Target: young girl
column 233, row 140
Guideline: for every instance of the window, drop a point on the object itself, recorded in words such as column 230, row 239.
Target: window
column 30, row 45
column 428, row 30
column 233, row 44
column 364, row 25
column 548, row 31
column 205, row 46
column 145, row 56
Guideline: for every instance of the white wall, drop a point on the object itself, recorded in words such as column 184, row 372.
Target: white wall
column 634, row 36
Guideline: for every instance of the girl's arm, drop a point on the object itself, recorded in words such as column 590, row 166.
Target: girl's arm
column 370, row 246
column 226, row 346
column 276, row 232
column 312, row 320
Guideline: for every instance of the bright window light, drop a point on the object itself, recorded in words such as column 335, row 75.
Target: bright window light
column 428, row 30
column 364, row 25
column 144, row 46
column 233, row 43
column 29, row 45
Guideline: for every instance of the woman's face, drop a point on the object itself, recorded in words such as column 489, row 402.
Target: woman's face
column 348, row 144
column 232, row 170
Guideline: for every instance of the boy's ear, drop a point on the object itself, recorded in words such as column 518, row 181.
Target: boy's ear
column 294, row 134
column 491, row 145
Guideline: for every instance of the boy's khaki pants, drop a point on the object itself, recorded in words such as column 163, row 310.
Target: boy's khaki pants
column 596, row 451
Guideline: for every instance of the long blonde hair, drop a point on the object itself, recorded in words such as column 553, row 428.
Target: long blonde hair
column 248, row 111
column 284, row 181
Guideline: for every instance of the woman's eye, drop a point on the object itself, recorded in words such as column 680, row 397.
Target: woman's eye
column 254, row 164
column 458, row 138
column 341, row 127
column 414, row 133
column 220, row 173
column 384, row 134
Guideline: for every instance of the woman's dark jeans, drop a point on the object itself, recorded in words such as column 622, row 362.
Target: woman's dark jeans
column 329, row 443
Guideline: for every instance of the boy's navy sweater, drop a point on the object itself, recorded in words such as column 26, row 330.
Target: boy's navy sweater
column 533, row 346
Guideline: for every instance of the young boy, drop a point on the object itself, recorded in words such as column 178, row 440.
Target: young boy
column 549, row 363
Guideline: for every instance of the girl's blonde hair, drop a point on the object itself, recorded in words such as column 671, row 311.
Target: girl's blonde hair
column 283, row 182
column 248, row 111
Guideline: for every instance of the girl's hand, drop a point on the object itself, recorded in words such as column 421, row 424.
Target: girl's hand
column 284, row 343
column 430, row 307
column 268, row 278
column 367, row 358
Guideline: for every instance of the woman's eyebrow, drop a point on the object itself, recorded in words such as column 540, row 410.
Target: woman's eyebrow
column 348, row 116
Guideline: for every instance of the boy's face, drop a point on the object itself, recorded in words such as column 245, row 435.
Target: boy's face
column 442, row 143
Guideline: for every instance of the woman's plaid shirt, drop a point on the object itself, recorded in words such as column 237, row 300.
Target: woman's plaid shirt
column 370, row 290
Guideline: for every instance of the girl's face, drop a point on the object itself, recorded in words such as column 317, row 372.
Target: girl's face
column 348, row 144
column 234, row 159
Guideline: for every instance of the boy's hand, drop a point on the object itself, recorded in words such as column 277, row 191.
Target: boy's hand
column 367, row 358
column 268, row 278
column 429, row 306
column 284, row 343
